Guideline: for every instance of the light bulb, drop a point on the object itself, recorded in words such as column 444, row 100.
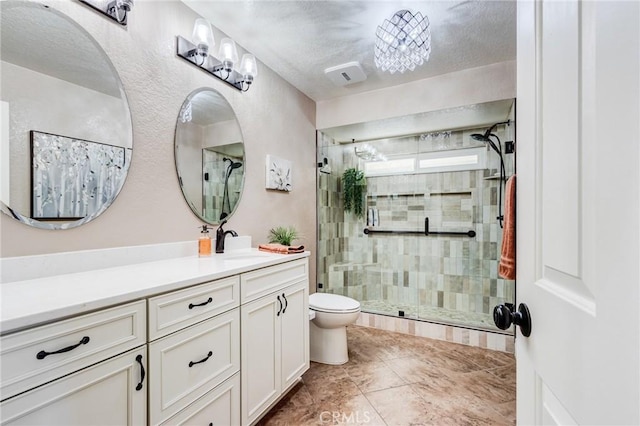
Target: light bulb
column 202, row 37
column 228, row 54
column 248, row 66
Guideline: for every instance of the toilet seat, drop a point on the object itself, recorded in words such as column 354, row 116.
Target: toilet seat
column 333, row 303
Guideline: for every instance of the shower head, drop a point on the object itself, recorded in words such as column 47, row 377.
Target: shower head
column 485, row 137
column 233, row 164
column 479, row 137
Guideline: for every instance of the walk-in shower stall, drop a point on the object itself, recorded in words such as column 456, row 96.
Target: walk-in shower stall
column 422, row 237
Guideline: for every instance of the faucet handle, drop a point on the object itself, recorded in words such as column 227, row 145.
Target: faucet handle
column 222, row 223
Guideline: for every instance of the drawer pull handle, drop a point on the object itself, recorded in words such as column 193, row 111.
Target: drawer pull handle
column 44, row 354
column 139, row 359
column 286, row 303
column 280, row 308
column 192, row 363
column 209, row 300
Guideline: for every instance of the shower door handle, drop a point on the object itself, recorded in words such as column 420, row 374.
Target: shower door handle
column 504, row 316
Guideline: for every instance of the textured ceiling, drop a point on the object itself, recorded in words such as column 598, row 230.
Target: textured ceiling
column 299, row 39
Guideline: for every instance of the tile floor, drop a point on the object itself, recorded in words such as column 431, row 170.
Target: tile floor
column 396, row 379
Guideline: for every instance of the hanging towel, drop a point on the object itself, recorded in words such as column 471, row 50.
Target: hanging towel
column 279, row 248
column 507, row 266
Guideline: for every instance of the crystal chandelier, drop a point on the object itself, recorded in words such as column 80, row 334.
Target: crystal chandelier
column 403, row 42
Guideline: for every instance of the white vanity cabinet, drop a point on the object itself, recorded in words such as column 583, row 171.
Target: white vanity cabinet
column 73, row 372
column 179, row 342
column 275, row 334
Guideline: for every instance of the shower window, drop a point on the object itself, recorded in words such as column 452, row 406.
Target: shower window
column 389, row 167
column 450, row 161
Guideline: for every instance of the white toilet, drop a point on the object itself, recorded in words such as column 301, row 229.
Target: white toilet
column 328, row 330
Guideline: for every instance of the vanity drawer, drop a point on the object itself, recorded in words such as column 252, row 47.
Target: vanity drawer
column 32, row 357
column 180, row 309
column 220, row 407
column 185, row 365
column 256, row 284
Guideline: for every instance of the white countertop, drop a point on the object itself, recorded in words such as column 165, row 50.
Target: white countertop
column 30, row 302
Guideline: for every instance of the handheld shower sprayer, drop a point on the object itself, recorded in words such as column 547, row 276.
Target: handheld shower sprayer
column 486, row 138
column 226, row 202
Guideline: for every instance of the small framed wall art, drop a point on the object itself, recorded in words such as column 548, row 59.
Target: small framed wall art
column 278, row 174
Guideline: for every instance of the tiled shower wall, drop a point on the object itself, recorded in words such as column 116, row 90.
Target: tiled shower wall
column 450, row 279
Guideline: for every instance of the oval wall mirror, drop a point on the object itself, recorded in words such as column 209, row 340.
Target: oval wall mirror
column 210, row 155
column 66, row 139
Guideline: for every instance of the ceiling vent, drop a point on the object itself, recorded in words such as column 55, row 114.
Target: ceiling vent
column 349, row 73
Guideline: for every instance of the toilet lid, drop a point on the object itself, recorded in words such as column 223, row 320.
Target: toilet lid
column 327, row 302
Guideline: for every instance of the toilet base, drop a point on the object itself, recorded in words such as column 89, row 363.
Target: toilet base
column 328, row 345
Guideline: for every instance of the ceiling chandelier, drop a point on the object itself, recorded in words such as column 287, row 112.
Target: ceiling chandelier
column 403, row 43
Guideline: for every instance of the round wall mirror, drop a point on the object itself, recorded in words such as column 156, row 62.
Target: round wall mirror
column 66, row 138
column 209, row 155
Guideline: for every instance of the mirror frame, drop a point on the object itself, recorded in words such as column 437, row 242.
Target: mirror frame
column 55, row 224
column 189, row 202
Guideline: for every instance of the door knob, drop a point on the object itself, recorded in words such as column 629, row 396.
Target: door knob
column 504, row 316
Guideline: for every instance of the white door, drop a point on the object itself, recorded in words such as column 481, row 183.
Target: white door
column 578, row 220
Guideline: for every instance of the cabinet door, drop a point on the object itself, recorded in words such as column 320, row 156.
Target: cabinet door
column 260, row 352
column 295, row 333
column 112, row 392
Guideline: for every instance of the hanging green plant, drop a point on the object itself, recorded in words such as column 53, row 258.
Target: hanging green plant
column 353, row 187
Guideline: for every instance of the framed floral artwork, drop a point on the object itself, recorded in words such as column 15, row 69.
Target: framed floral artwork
column 278, row 174
column 73, row 178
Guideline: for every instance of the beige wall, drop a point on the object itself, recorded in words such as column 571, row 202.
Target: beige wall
column 275, row 119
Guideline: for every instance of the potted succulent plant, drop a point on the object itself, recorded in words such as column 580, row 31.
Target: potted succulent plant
column 283, row 235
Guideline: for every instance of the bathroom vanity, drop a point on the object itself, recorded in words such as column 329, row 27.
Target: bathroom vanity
column 185, row 340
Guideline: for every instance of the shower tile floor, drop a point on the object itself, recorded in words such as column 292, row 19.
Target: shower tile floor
column 395, row 379
column 477, row 320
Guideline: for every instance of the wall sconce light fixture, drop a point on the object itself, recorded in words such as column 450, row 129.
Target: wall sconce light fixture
column 116, row 9
column 224, row 66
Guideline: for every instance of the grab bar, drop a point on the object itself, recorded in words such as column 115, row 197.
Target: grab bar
column 368, row 231
column 470, row 233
